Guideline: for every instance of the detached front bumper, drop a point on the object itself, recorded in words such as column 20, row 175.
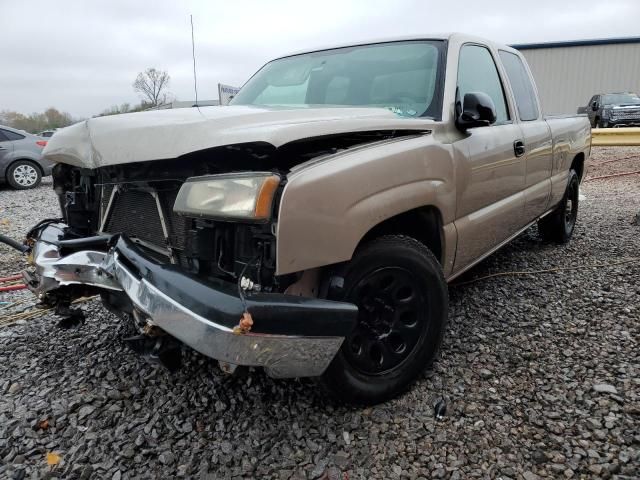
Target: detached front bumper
column 291, row 336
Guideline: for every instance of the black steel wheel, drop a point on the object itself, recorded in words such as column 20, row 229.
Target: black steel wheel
column 402, row 299
column 388, row 329
column 559, row 225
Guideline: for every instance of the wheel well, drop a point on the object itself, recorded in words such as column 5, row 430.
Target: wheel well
column 578, row 165
column 424, row 224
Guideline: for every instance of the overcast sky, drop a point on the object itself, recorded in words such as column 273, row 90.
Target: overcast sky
column 82, row 56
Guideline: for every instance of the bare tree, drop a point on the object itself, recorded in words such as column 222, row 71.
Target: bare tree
column 152, row 85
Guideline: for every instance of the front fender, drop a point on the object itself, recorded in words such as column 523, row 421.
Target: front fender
column 328, row 207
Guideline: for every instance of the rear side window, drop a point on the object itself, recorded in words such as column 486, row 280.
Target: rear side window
column 477, row 72
column 2, row 137
column 12, row 135
column 521, row 84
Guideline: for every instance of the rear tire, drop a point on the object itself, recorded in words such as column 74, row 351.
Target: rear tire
column 23, row 175
column 559, row 225
column 402, row 298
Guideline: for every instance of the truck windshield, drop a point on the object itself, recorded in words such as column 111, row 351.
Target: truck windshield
column 621, row 99
column 401, row 76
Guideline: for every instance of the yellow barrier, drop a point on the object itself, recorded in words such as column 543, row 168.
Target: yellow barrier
column 615, row 137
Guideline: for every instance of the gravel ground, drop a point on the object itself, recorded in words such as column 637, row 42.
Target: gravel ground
column 541, row 374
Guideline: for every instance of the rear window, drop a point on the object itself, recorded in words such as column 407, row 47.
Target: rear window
column 12, row 135
column 521, row 85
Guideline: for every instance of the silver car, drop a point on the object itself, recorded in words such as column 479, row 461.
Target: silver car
column 21, row 162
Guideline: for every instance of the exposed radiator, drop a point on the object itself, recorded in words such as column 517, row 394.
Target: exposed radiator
column 135, row 212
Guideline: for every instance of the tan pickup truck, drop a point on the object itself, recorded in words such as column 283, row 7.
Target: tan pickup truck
column 311, row 227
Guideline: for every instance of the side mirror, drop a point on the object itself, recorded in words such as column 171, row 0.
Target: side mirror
column 478, row 110
column 594, row 106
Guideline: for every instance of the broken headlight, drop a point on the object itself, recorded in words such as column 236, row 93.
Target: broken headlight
column 238, row 196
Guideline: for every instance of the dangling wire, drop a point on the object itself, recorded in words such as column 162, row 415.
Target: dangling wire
column 240, row 290
column 246, row 321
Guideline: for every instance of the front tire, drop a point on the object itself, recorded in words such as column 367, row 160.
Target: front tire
column 402, row 298
column 559, row 225
column 23, row 175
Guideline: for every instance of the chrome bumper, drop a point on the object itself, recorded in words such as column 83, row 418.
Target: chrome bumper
column 281, row 355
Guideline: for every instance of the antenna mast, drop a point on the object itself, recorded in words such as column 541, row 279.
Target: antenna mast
column 193, row 52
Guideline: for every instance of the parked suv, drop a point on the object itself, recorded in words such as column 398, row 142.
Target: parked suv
column 613, row 110
column 21, row 162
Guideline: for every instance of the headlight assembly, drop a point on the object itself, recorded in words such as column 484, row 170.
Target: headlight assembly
column 233, row 196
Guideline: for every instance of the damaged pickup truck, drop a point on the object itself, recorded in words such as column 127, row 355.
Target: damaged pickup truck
column 311, row 227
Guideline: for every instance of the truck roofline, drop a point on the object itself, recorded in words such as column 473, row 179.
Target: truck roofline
column 402, row 38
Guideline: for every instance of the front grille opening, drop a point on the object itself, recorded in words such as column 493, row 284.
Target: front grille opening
column 135, row 213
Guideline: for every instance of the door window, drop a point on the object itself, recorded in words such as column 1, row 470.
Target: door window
column 477, row 72
column 2, row 137
column 523, row 90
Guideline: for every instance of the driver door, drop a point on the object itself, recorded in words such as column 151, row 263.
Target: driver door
column 491, row 179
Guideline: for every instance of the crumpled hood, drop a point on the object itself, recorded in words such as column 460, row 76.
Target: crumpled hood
column 165, row 134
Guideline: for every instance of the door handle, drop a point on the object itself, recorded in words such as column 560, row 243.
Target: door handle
column 518, row 148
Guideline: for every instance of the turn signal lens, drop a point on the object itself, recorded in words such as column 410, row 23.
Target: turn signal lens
column 265, row 197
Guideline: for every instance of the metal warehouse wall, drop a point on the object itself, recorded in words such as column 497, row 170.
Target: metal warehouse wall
column 567, row 77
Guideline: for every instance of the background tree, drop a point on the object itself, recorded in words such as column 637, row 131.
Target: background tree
column 124, row 108
column 152, row 85
column 36, row 122
column 116, row 109
column 56, row 119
